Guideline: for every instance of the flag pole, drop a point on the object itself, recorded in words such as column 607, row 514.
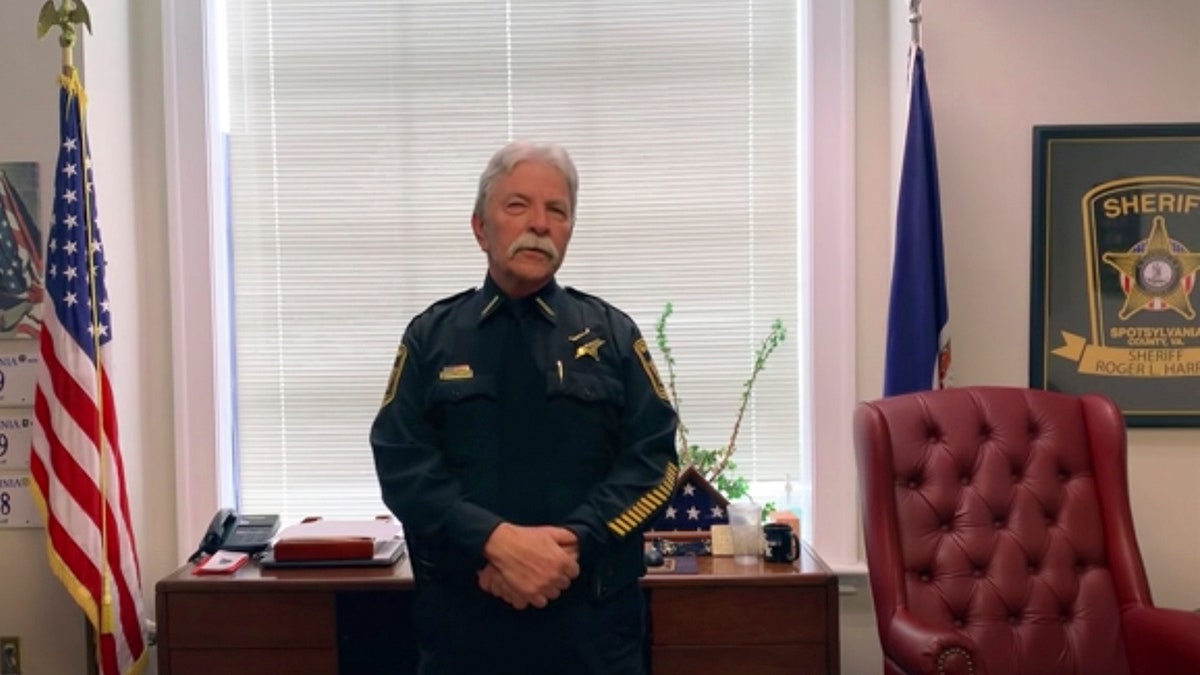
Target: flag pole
column 914, row 21
column 66, row 17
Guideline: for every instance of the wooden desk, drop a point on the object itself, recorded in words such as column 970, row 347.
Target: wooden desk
column 764, row 619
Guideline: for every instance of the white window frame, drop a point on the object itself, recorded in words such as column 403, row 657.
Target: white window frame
column 203, row 417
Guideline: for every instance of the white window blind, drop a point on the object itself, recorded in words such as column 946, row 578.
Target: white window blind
column 356, row 134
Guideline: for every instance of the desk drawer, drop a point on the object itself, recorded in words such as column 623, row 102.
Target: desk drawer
column 289, row 661
column 251, row 620
column 737, row 616
column 745, row 660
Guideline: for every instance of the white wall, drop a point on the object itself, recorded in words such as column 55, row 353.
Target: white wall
column 995, row 69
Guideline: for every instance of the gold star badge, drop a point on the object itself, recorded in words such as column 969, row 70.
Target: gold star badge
column 1153, row 273
column 591, row 349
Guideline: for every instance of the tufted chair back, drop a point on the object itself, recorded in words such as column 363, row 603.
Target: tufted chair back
column 999, row 536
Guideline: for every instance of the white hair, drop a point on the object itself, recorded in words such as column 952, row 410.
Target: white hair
column 506, row 158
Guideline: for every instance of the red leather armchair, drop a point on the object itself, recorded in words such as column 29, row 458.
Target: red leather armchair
column 1000, row 540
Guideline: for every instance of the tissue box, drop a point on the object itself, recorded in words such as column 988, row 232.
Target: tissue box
column 786, row 517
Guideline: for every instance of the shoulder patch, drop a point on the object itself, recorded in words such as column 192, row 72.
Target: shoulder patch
column 394, row 378
column 643, row 354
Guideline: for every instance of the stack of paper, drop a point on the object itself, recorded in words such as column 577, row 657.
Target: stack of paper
column 320, row 542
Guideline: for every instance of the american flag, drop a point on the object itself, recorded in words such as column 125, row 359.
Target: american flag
column 695, row 507
column 76, row 461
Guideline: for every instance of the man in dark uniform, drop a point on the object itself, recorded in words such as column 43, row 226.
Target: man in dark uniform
column 525, row 441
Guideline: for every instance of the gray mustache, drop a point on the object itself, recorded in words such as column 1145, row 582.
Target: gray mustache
column 533, row 242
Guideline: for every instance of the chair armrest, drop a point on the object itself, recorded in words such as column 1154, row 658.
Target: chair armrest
column 919, row 647
column 1161, row 640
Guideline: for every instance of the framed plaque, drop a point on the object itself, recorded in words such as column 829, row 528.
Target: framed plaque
column 1116, row 250
column 22, row 286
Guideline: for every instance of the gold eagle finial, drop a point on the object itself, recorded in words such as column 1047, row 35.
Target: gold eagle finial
column 66, row 17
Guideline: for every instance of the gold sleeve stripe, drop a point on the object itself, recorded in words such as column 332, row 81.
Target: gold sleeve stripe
column 656, row 500
column 648, row 502
column 664, row 489
column 622, row 525
column 644, row 507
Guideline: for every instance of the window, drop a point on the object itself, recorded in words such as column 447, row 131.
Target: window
column 346, row 143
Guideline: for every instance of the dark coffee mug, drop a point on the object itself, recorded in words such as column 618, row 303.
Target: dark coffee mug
column 782, row 544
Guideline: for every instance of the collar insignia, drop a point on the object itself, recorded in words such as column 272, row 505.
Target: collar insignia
column 459, row 372
column 591, row 349
column 545, row 307
column 490, row 307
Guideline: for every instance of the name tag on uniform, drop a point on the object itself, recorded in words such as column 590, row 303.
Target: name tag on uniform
column 458, row 372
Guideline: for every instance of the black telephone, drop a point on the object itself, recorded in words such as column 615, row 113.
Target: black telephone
column 229, row 531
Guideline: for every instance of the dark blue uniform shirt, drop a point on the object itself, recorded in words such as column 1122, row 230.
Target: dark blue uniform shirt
column 541, row 411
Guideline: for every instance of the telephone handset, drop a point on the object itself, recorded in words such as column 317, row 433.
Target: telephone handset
column 229, row 531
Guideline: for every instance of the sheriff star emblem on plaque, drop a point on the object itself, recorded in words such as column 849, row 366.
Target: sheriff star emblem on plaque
column 1140, row 272
column 1157, row 274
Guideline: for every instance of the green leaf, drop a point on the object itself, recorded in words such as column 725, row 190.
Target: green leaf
column 717, row 466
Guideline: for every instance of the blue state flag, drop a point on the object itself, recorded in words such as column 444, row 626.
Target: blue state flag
column 918, row 337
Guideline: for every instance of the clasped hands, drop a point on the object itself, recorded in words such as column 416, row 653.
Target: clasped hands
column 529, row 565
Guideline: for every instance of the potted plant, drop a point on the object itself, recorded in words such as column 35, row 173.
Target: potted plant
column 717, row 465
